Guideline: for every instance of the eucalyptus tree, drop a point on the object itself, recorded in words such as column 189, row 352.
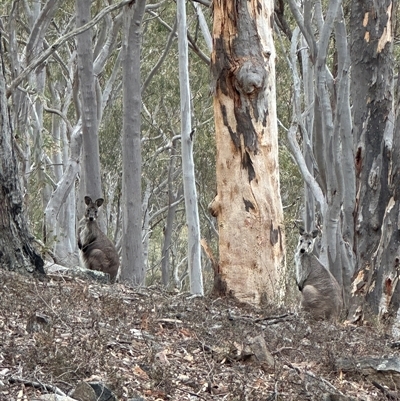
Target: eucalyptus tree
column 57, row 57
column 133, row 268
column 376, row 145
column 347, row 123
column 34, row 80
column 61, row 209
column 247, row 205
column 323, row 119
column 18, row 249
column 187, row 137
column 61, row 120
column 28, row 104
column 90, row 180
column 164, row 223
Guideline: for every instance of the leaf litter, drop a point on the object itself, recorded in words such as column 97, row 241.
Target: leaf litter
column 157, row 345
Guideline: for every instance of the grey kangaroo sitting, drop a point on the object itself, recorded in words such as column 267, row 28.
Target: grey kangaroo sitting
column 321, row 294
column 96, row 249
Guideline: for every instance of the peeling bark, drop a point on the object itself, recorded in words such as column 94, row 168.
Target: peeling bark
column 248, row 205
column 376, row 237
column 17, row 251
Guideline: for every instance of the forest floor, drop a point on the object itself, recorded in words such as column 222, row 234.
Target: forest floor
column 152, row 345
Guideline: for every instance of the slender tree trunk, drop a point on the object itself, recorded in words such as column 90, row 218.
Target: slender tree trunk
column 248, row 204
column 65, row 190
column 133, row 268
column 376, row 238
column 309, row 99
column 173, row 196
column 189, row 181
column 60, row 228
column 90, row 172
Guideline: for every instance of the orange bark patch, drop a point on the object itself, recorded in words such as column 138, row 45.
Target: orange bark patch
column 387, row 32
column 365, row 20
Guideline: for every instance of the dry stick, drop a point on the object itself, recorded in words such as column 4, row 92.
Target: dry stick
column 323, row 381
column 190, row 393
column 50, row 307
column 308, row 373
column 389, row 395
column 275, row 319
column 47, row 387
column 276, row 390
column 279, row 350
column 210, row 368
column 268, row 320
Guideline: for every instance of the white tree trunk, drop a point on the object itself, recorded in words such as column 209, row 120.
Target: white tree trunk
column 90, row 170
column 133, row 268
column 64, row 195
column 189, row 183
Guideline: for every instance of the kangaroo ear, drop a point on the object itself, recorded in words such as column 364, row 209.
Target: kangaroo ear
column 88, row 200
column 314, row 233
column 301, row 230
column 99, row 202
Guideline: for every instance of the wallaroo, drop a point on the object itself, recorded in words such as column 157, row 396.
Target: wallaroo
column 97, row 252
column 321, row 294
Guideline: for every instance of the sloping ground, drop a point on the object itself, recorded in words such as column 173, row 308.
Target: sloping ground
column 159, row 346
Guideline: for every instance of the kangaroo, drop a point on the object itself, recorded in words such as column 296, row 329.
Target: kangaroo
column 321, row 294
column 96, row 249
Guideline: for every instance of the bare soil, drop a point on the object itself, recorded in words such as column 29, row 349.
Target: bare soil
column 169, row 346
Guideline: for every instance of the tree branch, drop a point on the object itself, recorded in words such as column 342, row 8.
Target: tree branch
column 204, row 2
column 59, row 42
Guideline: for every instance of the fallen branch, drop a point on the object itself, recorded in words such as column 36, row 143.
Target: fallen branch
column 37, row 384
column 190, row 393
column 315, row 377
column 279, row 350
column 388, row 394
column 270, row 320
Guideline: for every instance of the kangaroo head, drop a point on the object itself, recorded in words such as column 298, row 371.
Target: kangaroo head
column 92, row 208
column 306, row 241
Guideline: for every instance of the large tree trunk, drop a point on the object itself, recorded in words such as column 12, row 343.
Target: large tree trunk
column 16, row 244
column 248, row 204
column 376, row 239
